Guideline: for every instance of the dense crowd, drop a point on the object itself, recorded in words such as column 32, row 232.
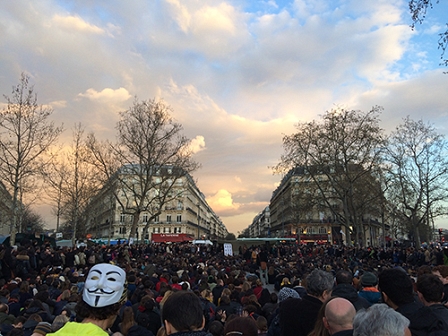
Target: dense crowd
column 279, row 290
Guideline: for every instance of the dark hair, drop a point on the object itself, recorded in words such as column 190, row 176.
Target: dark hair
column 184, row 311
column 274, row 297
column 397, row 285
column 83, row 310
column 225, row 300
column 431, row 287
column 216, row 328
column 344, row 276
column 241, row 326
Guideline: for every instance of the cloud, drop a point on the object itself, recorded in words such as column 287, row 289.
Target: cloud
column 239, row 75
column 106, row 95
column 75, row 23
column 197, row 144
column 222, row 201
column 58, row 103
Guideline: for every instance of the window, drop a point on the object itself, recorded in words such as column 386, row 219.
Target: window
column 178, row 230
column 156, row 219
column 167, row 230
column 322, row 230
column 168, row 218
column 122, row 218
column 145, row 218
column 180, row 205
column 179, row 219
column 123, row 230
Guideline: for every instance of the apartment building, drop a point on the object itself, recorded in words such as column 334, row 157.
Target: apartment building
column 186, row 213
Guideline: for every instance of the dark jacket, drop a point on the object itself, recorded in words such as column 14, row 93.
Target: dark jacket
column 6, row 319
column 409, row 309
column 149, row 319
column 349, row 292
column 298, row 316
column 430, row 319
column 137, row 330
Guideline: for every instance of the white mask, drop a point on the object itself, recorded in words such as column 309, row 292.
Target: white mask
column 104, row 285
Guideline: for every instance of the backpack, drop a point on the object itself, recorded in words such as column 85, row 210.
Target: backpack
column 77, row 261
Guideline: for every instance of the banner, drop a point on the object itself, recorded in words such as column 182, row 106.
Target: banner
column 228, row 251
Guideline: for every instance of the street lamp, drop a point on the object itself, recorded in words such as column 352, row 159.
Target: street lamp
column 199, row 209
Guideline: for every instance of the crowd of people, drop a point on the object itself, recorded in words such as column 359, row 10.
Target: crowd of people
column 184, row 289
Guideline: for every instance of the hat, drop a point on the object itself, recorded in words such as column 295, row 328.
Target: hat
column 286, row 293
column 105, row 285
column 369, row 279
column 42, row 328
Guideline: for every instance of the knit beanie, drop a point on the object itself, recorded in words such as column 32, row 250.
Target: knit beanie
column 286, row 293
column 369, row 279
column 42, row 328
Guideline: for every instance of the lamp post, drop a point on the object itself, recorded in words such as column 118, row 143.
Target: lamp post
column 199, row 209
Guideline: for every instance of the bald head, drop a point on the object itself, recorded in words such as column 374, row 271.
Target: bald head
column 339, row 315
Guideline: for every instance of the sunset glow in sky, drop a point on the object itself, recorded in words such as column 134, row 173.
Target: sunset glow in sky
column 238, row 74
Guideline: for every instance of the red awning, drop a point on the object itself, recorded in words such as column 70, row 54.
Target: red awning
column 170, row 237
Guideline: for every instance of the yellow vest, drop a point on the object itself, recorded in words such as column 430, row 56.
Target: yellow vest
column 80, row 329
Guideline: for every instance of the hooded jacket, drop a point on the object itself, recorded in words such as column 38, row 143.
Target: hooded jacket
column 349, row 292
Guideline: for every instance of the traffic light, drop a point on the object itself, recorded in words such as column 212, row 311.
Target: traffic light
column 440, row 232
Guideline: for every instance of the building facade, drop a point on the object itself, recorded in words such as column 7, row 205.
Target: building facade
column 295, row 213
column 261, row 225
column 5, row 210
column 186, row 213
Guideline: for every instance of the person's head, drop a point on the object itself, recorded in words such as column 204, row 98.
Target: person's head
column 319, row 284
column 368, row 279
column 273, row 297
column 216, row 328
column 241, row 326
column 105, row 285
column 442, row 272
column 104, row 292
column 344, row 277
column 429, row 288
column 182, row 311
column 396, row 287
column 339, row 315
column 58, row 322
column 262, row 324
column 286, row 293
column 42, row 329
column 207, row 294
column 380, row 319
column 4, row 308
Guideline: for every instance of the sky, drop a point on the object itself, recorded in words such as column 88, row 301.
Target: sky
column 238, row 74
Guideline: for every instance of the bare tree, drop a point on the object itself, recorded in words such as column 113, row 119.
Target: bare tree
column 72, row 183
column 419, row 10
column 26, row 134
column 418, row 170
column 145, row 166
column 341, row 155
column 32, row 222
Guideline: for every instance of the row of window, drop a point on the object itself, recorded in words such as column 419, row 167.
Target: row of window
column 122, row 230
column 156, row 220
column 313, row 230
